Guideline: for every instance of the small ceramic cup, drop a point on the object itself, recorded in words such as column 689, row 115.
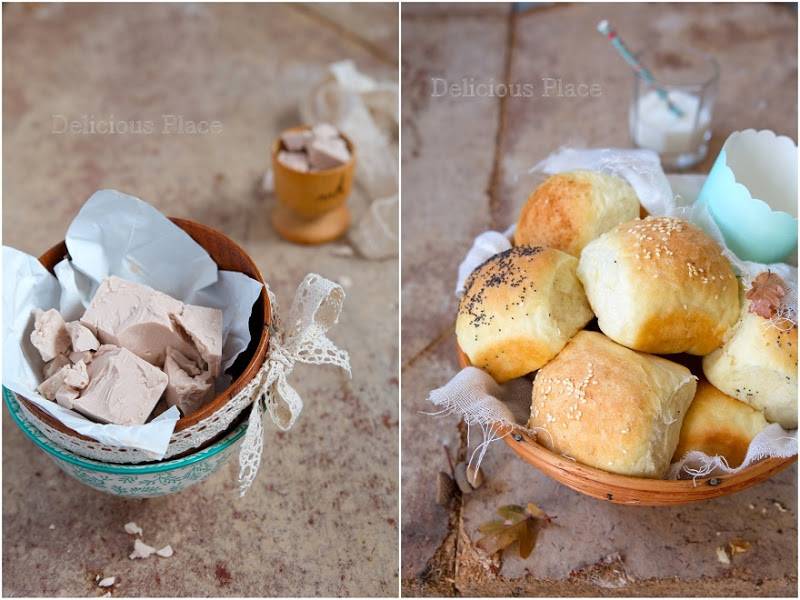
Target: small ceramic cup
column 312, row 206
column 751, row 193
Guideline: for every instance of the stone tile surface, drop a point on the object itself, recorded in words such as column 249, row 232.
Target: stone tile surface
column 756, row 88
column 426, row 439
column 446, row 10
column 662, row 551
column 377, row 26
column 322, row 516
column 447, row 154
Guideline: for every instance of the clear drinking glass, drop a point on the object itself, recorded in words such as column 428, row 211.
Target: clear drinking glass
column 690, row 79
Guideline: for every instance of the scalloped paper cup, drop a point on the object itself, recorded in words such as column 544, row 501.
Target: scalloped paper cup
column 751, row 192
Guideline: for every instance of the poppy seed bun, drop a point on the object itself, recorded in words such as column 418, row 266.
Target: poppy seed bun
column 758, row 365
column 660, row 285
column 569, row 210
column 519, row 309
column 719, row 425
column 611, row 408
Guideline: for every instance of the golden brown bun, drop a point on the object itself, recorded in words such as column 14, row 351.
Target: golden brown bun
column 718, row 425
column 660, row 285
column 519, row 309
column 569, row 210
column 758, row 365
column 611, row 408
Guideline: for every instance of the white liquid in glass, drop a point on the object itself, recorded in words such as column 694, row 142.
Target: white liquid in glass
column 659, row 129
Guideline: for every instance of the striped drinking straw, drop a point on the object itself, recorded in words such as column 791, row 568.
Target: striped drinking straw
column 605, row 28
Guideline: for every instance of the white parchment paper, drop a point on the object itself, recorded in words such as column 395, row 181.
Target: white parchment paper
column 116, row 234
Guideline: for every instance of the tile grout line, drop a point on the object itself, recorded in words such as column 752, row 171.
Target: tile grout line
column 376, row 52
column 494, row 178
column 428, row 347
column 493, row 209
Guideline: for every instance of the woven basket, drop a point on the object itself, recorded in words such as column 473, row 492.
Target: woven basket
column 205, row 426
column 621, row 489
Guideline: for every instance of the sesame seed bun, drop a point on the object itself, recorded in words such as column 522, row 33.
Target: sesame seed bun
column 660, row 285
column 609, row 407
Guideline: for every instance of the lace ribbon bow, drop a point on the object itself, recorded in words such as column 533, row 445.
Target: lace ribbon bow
column 315, row 309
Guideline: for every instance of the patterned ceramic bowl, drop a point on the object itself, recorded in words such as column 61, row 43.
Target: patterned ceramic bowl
column 133, row 481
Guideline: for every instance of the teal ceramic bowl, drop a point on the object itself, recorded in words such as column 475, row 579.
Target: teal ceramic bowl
column 133, row 481
column 751, row 193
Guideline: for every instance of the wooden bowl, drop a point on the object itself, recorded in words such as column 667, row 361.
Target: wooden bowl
column 312, row 206
column 229, row 256
column 621, row 489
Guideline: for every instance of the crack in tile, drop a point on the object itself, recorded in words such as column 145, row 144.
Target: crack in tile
column 494, row 178
column 428, row 347
column 372, row 48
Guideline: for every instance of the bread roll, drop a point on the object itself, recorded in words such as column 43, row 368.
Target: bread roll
column 718, row 425
column 611, row 408
column 571, row 209
column 660, row 285
column 519, row 309
column 758, row 364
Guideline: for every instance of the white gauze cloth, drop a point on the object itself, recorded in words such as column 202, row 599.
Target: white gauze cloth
column 469, row 395
column 366, row 110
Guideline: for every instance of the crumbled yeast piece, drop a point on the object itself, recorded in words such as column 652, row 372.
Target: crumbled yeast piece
column 73, row 376
column 81, row 337
column 204, row 327
column 66, row 396
column 49, row 335
column 86, row 356
column 55, row 365
column 722, row 556
column 327, row 153
column 123, row 388
column 136, row 317
column 132, row 528
column 188, row 388
column 165, row 552
column 296, row 140
column 107, row 582
column 294, row 160
column 141, row 550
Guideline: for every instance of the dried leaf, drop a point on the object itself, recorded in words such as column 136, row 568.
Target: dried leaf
column 512, row 512
column 765, row 294
column 500, row 541
column 493, row 527
column 738, row 546
column 445, row 488
column 527, row 538
column 537, row 513
column 519, row 524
